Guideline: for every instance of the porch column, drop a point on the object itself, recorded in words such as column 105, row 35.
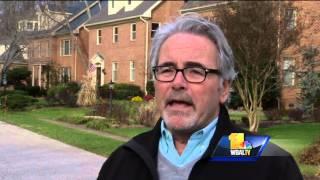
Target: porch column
column 39, row 77
column 32, row 75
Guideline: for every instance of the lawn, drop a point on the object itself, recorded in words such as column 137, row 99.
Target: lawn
column 294, row 138
column 31, row 120
column 127, row 132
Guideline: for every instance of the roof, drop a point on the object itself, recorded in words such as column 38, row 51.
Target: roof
column 103, row 16
column 191, row 5
column 80, row 18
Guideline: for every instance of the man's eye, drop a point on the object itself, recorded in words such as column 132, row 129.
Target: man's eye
column 165, row 70
column 196, row 71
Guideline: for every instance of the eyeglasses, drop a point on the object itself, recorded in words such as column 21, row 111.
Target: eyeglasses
column 190, row 74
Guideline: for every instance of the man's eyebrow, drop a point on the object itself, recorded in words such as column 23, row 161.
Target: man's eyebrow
column 193, row 64
column 167, row 64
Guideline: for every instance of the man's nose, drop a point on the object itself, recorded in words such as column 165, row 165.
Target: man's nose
column 179, row 81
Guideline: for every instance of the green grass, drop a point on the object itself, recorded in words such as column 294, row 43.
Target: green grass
column 30, row 120
column 295, row 138
column 237, row 115
column 127, row 132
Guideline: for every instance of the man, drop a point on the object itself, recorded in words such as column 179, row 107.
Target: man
column 193, row 69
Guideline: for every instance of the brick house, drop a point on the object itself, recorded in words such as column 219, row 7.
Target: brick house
column 120, row 38
column 61, row 50
column 307, row 12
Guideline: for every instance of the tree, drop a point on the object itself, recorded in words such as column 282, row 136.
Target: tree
column 10, row 14
column 257, row 35
column 309, row 80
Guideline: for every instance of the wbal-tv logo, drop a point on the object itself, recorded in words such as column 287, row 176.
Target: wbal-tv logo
column 239, row 147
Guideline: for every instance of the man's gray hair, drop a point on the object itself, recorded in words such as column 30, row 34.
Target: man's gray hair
column 195, row 24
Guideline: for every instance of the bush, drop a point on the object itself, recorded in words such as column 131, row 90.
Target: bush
column 295, row 114
column 74, row 120
column 16, row 101
column 148, row 114
column 16, row 75
column 120, row 91
column 235, row 101
column 316, row 114
column 98, row 124
column 150, row 88
column 273, row 114
column 35, row 91
column 148, row 97
column 136, row 99
column 2, row 93
column 311, row 155
column 63, row 94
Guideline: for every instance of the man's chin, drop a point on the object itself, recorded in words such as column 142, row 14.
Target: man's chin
column 179, row 123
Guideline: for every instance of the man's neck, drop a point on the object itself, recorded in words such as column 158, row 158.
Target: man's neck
column 180, row 141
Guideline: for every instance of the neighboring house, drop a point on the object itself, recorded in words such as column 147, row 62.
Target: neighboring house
column 291, row 60
column 307, row 12
column 19, row 59
column 59, row 54
column 120, row 39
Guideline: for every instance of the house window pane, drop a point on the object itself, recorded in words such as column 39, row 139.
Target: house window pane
column 154, row 27
column 133, row 31
column 99, row 36
column 65, row 74
column 132, row 71
column 288, row 72
column 114, row 72
column 29, row 26
column 115, row 34
column 65, row 47
column 291, row 18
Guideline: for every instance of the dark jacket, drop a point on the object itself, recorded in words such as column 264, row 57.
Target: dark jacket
column 137, row 159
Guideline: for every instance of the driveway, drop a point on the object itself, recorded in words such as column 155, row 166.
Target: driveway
column 30, row 156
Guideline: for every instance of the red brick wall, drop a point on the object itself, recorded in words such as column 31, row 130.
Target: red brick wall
column 309, row 16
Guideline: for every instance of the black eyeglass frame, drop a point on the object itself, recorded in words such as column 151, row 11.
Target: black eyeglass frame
column 206, row 71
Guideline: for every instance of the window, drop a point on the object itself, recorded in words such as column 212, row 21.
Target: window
column 29, row 26
column 129, row 1
column 115, row 34
column 99, row 36
column 133, row 33
column 36, row 26
column 291, row 18
column 21, row 25
column 44, row 48
column 288, row 72
column 114, row 72
column 112, row 3
column 154, row 27
column 65, row 49
column 132, row 71
column 65, row 74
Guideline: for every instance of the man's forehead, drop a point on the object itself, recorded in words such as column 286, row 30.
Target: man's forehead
column 190, row 63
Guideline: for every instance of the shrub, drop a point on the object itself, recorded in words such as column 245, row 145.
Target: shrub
column 273, row 114
column 120, row 91
column 235, row 101
column 295, row 114
column 136, row 99
column 16, row 75
column 2, row 93
column 150, row 88
column 316, row 114
column 311, row 155
column 98, row 124
column 35, row 91
column 148, row 114
column 16, row 101
column 74, row 120
column 63, row 94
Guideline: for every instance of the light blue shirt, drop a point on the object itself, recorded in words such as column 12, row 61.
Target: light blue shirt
column 196, row 146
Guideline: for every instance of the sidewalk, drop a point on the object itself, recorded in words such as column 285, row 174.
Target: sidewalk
column 29, row 156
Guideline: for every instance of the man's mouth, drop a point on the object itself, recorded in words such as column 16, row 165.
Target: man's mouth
column 179, row 104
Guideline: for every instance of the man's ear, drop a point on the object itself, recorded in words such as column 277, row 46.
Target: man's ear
column 224, row 91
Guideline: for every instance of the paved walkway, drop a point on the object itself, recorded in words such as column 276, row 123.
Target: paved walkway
column 28, row 156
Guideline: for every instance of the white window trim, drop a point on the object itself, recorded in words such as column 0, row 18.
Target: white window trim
column 114, row 35
column 131, row 32
column 114, row 73
column 155, row 30
column 99, row 38
column 62, row 47
column 285, row 69
column 132, row 71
